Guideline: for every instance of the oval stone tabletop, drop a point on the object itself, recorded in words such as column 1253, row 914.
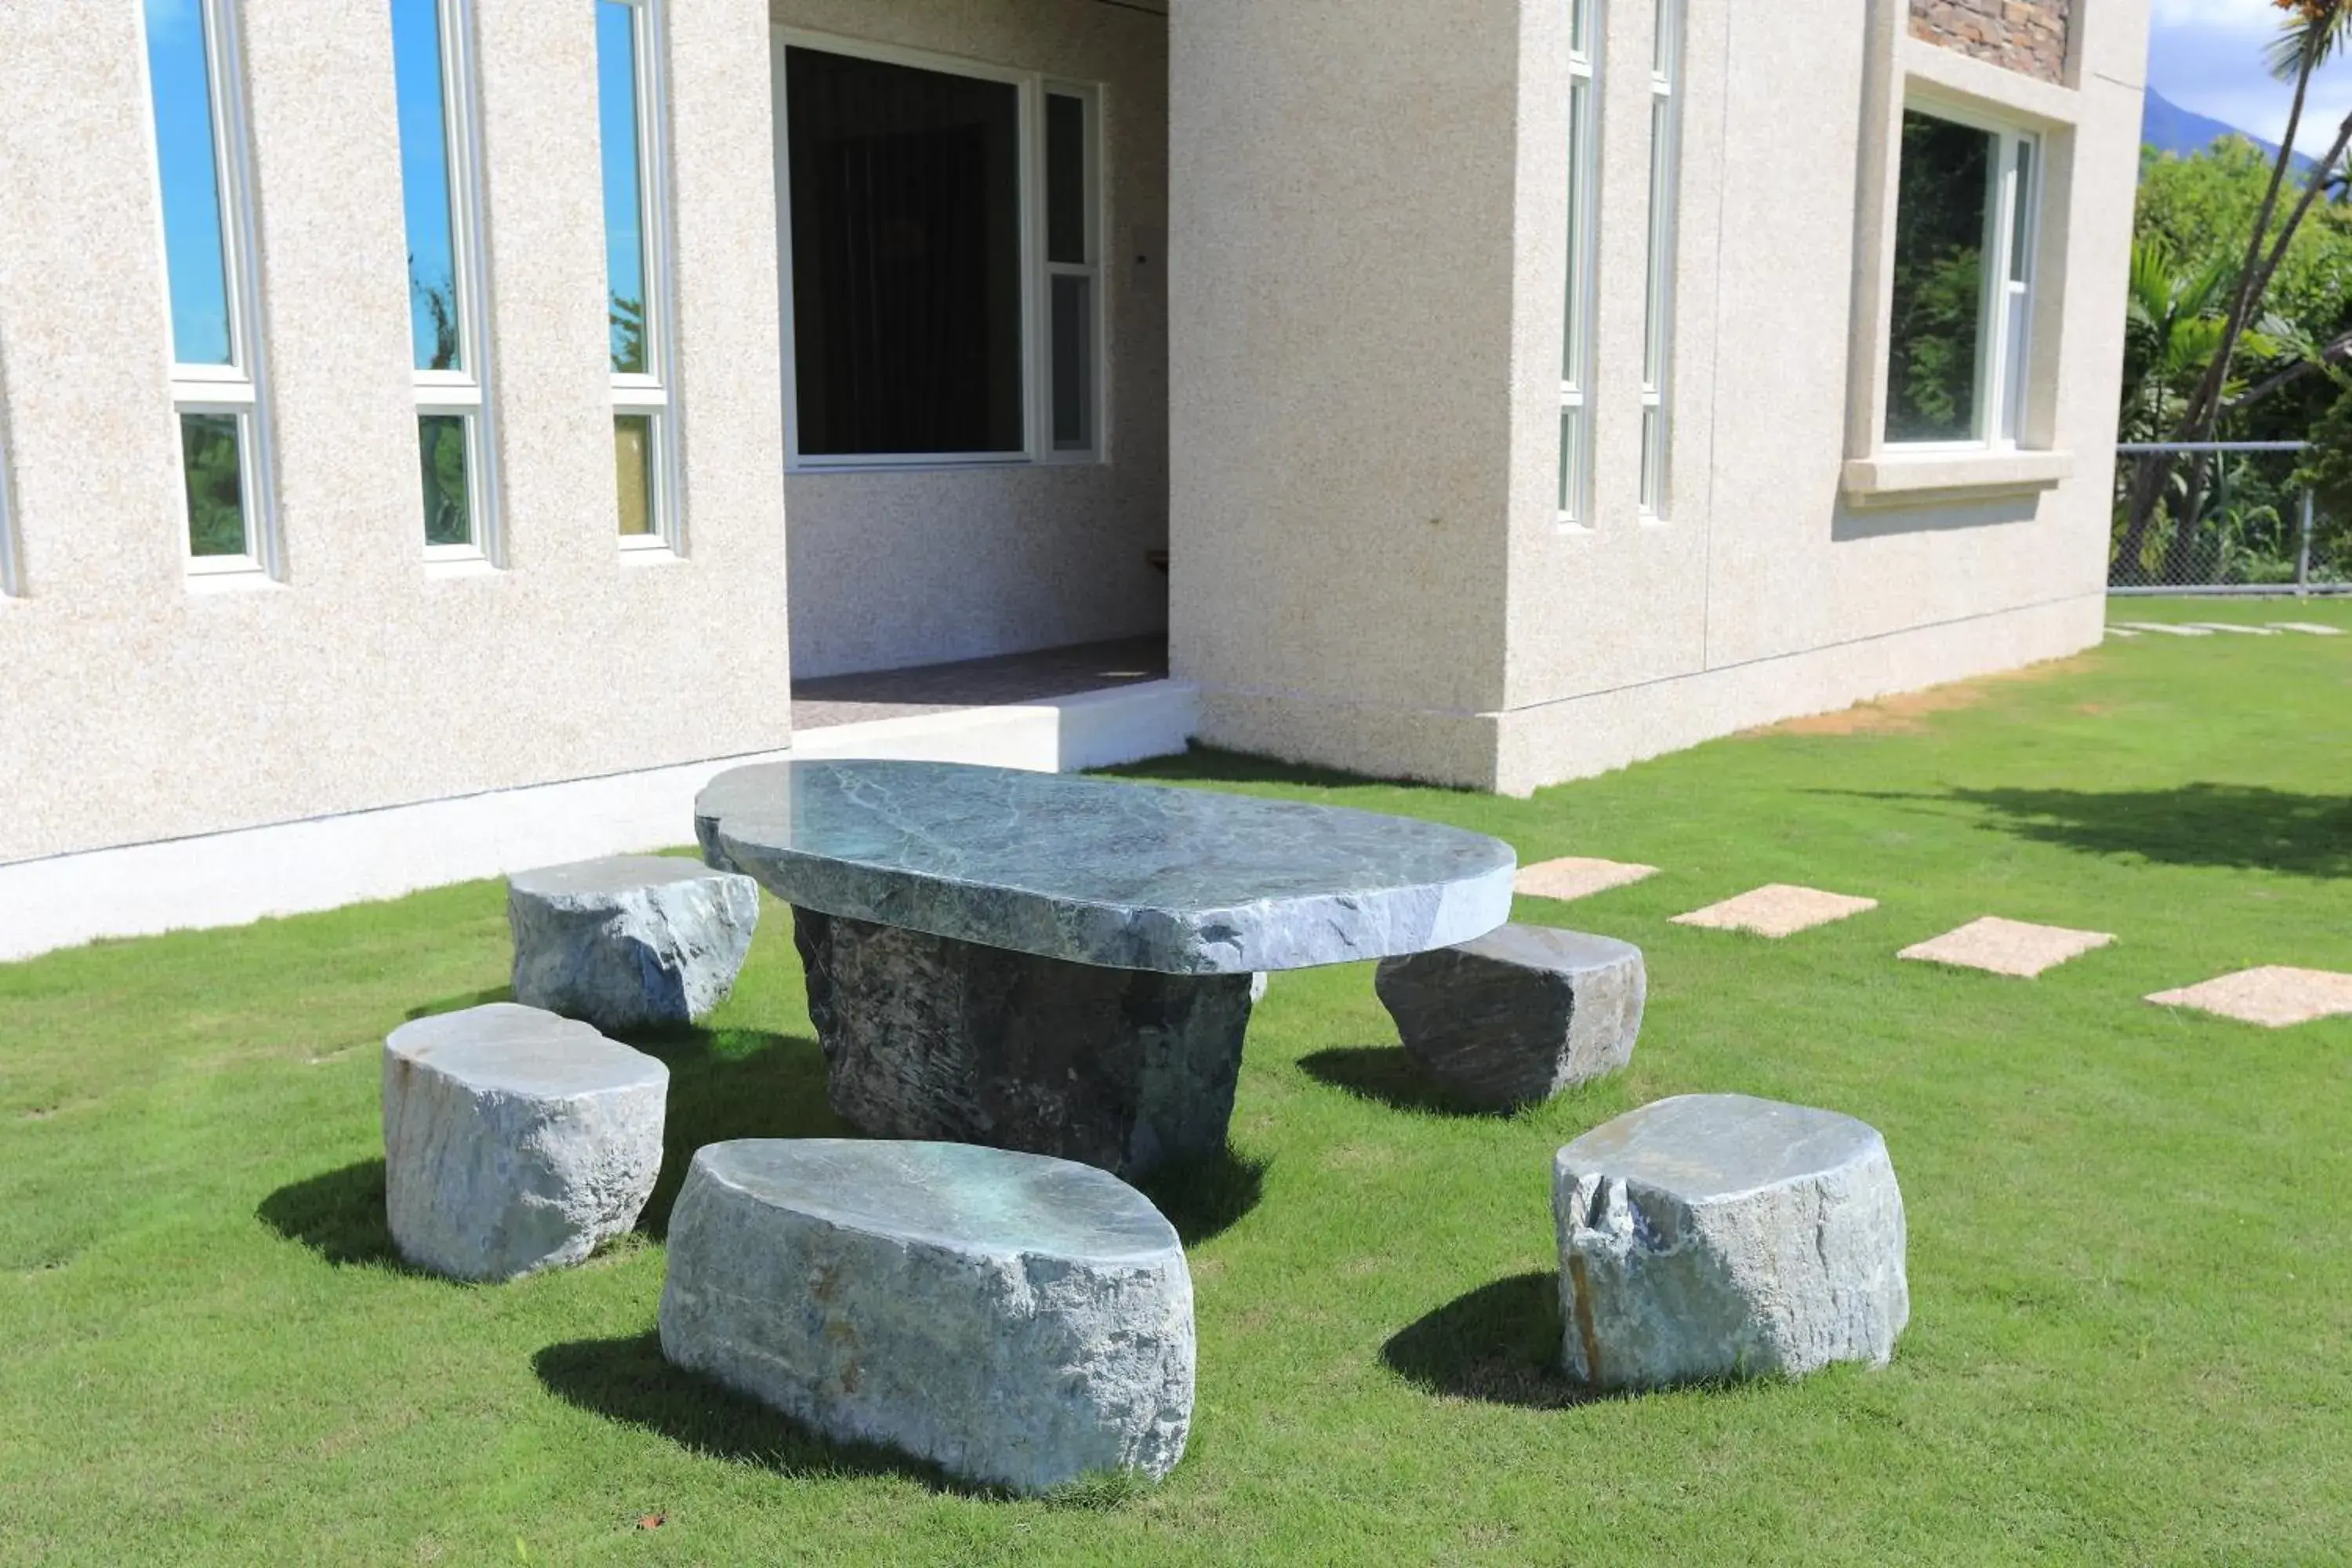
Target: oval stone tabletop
column 1124, row 876
column 956, row 1195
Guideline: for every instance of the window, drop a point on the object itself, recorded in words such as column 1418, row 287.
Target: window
column 217, row 386
column 1658, row 322
column 632, row 122
column 1957, row 345
column 1584, row 24
column 944, row 261
column 433, row 79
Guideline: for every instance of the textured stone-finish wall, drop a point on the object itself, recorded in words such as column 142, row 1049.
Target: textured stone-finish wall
column 136, row 708
column 919, row 566
column 2027, row 36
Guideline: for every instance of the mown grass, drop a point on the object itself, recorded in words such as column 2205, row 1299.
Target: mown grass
column 2131, row 1274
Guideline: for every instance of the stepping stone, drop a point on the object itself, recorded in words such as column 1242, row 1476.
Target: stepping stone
column 2274, row 995
column 2235, row 627
column 1716, row 1236
column 2007, row 947
column 631, row 942
column 1519, row 1015
column 1019, row 1320
column 1775, row 909
column 2310, row 628
column 514, row 1139
column 1576, row 877
column 2121, row 632
column 2168, row 628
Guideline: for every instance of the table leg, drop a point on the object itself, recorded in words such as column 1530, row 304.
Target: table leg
column 926, row 1037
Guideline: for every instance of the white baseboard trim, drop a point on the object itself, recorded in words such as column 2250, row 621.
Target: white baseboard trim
column 322, row 863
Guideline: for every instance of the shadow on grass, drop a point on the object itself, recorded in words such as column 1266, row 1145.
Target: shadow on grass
column 2243, row 826
column 339, row 1215
column 627, row 1380
column 1386, row 1074
column 1206, row 1197
column 459, row 1004
column 1500, row 1344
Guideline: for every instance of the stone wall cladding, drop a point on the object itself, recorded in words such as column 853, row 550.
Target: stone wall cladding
column 2027, row 36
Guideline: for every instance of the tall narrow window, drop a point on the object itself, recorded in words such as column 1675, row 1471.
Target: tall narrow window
column 217, row 386
column 636, row 247
column 432, row 80
column 1658, row 331
column 1072, row 265
column 943, row 257
column 1958, row 346
column 1584, row 24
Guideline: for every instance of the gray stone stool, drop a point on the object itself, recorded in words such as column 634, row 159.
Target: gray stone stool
column 514, row 1139
column 629, row 941
column 1519, row 1014
column 1714, row 1235
column 1018, row 1319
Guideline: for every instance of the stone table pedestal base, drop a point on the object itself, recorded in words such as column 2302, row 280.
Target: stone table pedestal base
column 929, row 1038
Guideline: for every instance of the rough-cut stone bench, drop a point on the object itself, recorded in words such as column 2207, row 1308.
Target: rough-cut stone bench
column 1019, row 1320
column 1519, row 1014
column 1716, row 1236
column 1064, row 964
column 629, row 941
column 514, row 1139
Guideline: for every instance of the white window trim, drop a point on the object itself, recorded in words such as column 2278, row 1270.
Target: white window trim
column 239, row 388
column 654, row 392
column 1036, row 294
column 1658, row 313
column 1577, row 359
column 1998, row 424
column 466, row 392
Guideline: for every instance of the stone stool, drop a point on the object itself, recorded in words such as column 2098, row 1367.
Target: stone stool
column 1018, row 1319
column 1519, row 1014
column 629, row 941
column 514, row 1139
column 1714, row 1235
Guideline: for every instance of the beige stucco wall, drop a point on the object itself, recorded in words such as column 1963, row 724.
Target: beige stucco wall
column 1763, row 591
column 1341, row 304
column 137, row 710
column 920, row 566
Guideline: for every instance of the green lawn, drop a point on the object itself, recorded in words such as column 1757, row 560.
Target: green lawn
column 2131, row 1269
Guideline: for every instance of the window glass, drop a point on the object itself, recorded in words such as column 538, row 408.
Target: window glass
column 209, row 453
column 905, row 257
column 1073, row 357
column 625, row 250
column 425, row 185
column 1065, row 179
column 633, row 456
column 1933, row 343
column 448, row 506
column 180, row 80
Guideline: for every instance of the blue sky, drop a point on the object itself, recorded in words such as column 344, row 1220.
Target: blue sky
column 2207, row 54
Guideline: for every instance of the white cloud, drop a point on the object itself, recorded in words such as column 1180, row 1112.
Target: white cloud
column 2207, row 54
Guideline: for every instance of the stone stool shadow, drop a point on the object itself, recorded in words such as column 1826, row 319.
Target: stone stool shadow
column 1498, row 1344
column 1385, row 1075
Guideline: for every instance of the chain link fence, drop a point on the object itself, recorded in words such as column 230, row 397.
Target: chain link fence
column 2227, row 517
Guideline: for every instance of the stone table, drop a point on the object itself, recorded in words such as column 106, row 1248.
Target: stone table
column 1062, row 965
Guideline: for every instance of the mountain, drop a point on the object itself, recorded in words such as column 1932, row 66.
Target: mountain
column 2168, row 128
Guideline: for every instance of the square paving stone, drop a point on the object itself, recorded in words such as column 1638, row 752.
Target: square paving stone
column 2007, row 947
column 2274, row 995
column 1776, row 908
column 2167, row 627
column 2310, row 628
column 1577, row 877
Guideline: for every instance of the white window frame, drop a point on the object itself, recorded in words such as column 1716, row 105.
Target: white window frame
column 464, row 393
column 2005, row 309
column 1036, row 294
column 653, row 392
column 239, row 388
column 1587, row 23
column 1658, row 310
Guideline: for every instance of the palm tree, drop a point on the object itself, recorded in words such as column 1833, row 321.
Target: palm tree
column 2311, row 34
